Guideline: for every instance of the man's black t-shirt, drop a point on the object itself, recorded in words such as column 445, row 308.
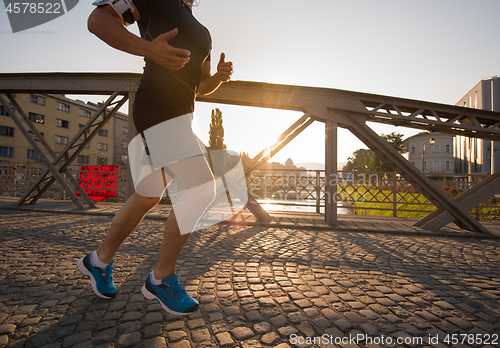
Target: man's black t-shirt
column 163, row 93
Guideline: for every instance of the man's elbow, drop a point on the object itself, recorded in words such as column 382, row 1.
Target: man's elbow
column 91, row 23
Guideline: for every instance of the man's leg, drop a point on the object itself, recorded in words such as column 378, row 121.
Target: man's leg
column 171, row 246
column 163, row 284
column 124, row 223
column 97, row 266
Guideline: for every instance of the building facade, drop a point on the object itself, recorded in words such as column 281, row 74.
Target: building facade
column 431, row 153
column 121, row 132
column 478, row 155
column 58, row 119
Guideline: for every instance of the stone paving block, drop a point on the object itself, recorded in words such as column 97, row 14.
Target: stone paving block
column 225, row 339
column 242, row 333
column 105, row 336
column 270, row 338
column 254, row 315
column 177, row 335
column 196, row 323
column 286, row 331
column 153, row 317
column 306, row 329
column 77, row 338
column 6, row 329
column 278, row 321
column 215, row 316
column 155, row 342
column 129, row 339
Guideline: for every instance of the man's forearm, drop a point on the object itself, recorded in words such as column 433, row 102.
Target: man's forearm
column 209, row 85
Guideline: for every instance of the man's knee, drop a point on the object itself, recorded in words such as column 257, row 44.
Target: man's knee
column 145, row 203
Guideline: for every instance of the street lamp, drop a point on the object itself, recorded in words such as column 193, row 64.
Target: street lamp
column 431, row 141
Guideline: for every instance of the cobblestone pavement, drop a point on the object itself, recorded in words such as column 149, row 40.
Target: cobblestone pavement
column 257, row 286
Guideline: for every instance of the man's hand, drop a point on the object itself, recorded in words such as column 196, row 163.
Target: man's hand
column 224, row 69
column 165, row 55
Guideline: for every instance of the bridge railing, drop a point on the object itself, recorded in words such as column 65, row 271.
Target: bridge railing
column 363, row 193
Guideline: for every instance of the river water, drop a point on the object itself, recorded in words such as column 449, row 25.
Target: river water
column 285, row 206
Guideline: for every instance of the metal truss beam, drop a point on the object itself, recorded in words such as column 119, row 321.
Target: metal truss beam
column 35, row 135
column 265, row 155
column 433, row 117
column 288, row 135
column 71, row 152
column 420, row 181
column 77, row 144
column 467, row 200
column 335, row 107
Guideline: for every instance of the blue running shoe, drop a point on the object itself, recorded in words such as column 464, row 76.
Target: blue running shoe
column 171, row 295
column 100, row 279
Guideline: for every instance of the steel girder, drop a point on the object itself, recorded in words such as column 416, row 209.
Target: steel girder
column 334, row 107
column 415, row 177
column 467, row 200
column 433, row 117
column 20, row 122
column 71, row 151
column 260, row 159
column 351, row 110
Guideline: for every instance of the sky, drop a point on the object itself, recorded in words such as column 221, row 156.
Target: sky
column 432, row 50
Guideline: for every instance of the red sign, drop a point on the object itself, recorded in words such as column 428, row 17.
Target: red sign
column 99, row 182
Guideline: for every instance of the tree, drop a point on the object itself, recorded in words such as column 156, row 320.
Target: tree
column 364, row 159
column 216, row 139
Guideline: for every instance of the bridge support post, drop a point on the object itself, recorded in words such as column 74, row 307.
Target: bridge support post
column 331, row 177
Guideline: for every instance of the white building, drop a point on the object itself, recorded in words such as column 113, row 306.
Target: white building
column 431, row 153
column 477, row 155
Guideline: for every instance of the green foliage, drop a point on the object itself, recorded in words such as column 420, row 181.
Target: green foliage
column 363, row 159
column 216, row 139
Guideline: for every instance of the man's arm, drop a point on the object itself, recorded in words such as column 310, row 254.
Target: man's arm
column 107, row 25
column 209, row 83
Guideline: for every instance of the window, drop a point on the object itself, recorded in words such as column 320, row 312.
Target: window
column 102, row 160
column 436, row 166
column 436, row 148
column 415, row 164
column 413, row 149
column 37, row 118
column 83, row 159
column 7, row 131
column 124, row 144
column 125, row 130
column 32, row 154
column 124, row 159
column 101, row 118
column 447, row 148
column 102, row 146
column 425, row 165
column 424, row 148
column 36, row 99
column 4, row 112
column 61, row 139
column 62, row 106
column 6, row 151
column 62, row 123
column 85, row 113
column 103, row 132
column 447, row 165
